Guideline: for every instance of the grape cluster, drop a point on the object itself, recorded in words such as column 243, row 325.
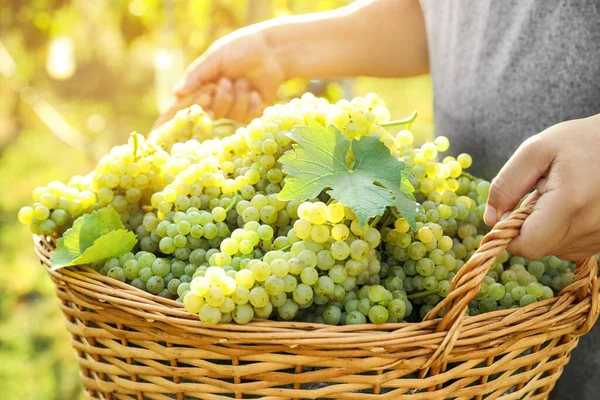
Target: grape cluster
column 202, row 198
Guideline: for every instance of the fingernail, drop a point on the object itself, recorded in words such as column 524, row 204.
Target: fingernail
column 490, row 215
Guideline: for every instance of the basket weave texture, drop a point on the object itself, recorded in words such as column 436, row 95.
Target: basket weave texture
column 134, row 345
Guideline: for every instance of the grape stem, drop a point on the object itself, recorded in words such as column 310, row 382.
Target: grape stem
column 230, row 206
column 468, row 175
column 282, row 249
column 422, row 294
column 394, row 213
column 406, row 121
column 375, row 221
column 135, row 145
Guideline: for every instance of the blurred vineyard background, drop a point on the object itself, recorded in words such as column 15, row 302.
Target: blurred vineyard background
column 75, row 78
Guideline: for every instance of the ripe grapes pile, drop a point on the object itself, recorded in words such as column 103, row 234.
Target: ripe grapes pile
column 202, row 198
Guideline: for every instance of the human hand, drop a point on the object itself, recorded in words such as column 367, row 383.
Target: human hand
column 563, row 164
column 247, row 72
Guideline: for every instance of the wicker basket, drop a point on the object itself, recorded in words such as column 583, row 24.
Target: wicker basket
column 133, row 345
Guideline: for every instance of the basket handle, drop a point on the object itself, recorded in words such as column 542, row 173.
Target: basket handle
column 467, row 282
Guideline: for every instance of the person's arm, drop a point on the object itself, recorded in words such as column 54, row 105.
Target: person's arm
column 384, row 38
column 562, row 163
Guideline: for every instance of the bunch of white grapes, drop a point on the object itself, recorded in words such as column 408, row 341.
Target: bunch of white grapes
column 202, row 197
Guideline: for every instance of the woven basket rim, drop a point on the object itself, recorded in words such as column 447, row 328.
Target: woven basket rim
column 443, row 334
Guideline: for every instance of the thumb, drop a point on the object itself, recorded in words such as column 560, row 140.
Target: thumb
column 204, row 69
column 527, row 165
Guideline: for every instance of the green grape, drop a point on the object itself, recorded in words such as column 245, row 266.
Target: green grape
column 340, row 250
column 260, row 271
column 309, row 276
column 526, row 300
column 364, row 305
column 155, row 284
column 497, row 291
column 338, row 274
column 302, row 294
column 117, row 273
column 274, row 285
column 288, row 311
column 378, row 314
column 289, row 283
column 397, row 308
column 259, row 297
column 332, row 315
column 416, row 250
column 215, row 296
column 518, row 292
column 160, row 267
column 425, row 266
column 243, row 314
column 535, row 289
column 359, row 249
column 209, row 315
column 193, row 303
column 167, row 245
column 308, row 258
column 355, row 318
column 488, row 305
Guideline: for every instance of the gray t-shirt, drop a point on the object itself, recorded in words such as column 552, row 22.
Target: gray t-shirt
column 504, row 70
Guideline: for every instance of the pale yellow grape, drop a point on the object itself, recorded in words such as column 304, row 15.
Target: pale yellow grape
column 427, row 186
column 442, row 143
column 443, row 171
column 241, row 295
column 215, row 296
column 465, row 160
column 228, row 285
column 244, row 278
column 317, row 215
column 304, row 210
column 425, row 234
column 405, row 137
column 319, row 233
column 25, row 215
column 357, row 229
column 445, row 243
column 334, row 212
column 452, row 184
column 340, row 232
column 229, row 246
column 259, row 297
column 455, row 169
column 193, row 302
column 430, row 151
column 401, row 225
column 302, row 228
column 214, row 274
column 227, row 306
column 200, row 285
column 261, row 271
column 372, row 237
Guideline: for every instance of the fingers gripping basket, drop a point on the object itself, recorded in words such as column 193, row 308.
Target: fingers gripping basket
column 133, row 345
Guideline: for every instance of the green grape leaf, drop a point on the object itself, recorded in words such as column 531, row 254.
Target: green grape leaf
column 93, row 237
column 375, row 180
